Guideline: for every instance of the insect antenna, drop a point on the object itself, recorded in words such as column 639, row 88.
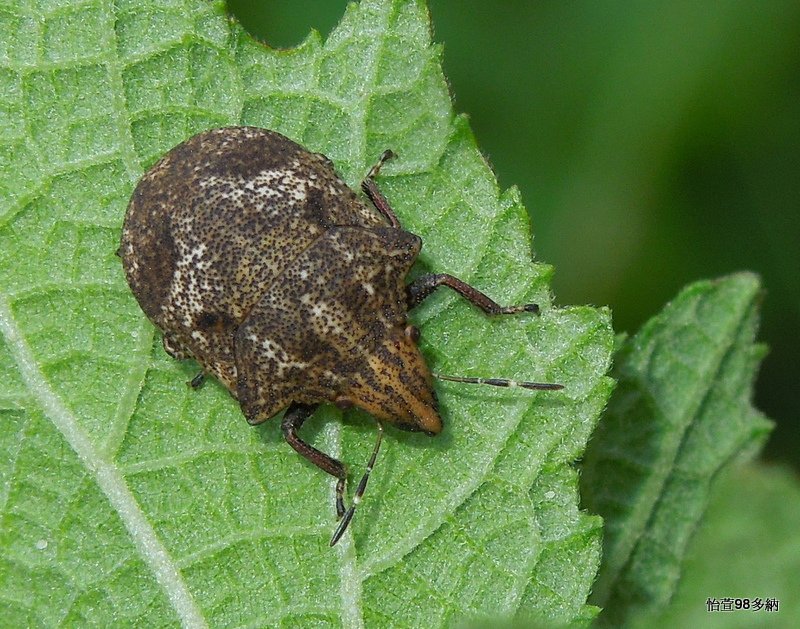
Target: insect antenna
column 503, row 382
column 362, row 486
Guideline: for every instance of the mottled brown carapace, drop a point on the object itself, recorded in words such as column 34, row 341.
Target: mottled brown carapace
column 257, row 260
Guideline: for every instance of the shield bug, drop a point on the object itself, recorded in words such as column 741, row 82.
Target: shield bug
column 254, row 258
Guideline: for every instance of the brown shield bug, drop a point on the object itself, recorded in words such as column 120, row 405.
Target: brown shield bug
column 254, row 258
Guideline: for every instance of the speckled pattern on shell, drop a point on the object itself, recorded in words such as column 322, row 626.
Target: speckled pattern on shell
column 255, row 258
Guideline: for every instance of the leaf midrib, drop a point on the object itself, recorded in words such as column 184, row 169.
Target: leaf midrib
column 104, row 473
column 734, row 328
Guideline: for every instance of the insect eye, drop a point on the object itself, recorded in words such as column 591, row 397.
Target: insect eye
column 412, row 332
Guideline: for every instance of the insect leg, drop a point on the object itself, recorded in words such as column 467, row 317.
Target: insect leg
column 370, row 188
column 197, row 381
column 503, row 382
column 423, row 286
column 293, row 418
column 362, row 487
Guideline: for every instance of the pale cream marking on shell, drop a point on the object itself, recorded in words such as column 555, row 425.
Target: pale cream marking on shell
column 281, row 183
column 326, row 318
column 210, row 180
column 273, row 351
column 269, row 349
column 195, row 257
column 186, row 290
column 268, row 185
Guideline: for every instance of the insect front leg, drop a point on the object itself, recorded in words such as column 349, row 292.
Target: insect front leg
column 370, row 188
column 423, row 286
column 293, row 419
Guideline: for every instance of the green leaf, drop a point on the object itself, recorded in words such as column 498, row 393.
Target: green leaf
column 680, row 413
column 747, row 547
column 129, row 499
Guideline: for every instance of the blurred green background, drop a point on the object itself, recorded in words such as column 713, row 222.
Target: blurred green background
column 654, row 144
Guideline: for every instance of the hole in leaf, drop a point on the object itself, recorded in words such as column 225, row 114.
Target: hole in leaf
column 286, row 23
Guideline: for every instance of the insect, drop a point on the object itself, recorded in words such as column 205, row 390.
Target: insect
column 254, row 258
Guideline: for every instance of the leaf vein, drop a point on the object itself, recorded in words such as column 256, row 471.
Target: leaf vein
column 105, row 474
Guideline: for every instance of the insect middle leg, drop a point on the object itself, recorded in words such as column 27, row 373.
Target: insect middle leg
column 293, row 419
column 197, row 381
column 423, row 286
